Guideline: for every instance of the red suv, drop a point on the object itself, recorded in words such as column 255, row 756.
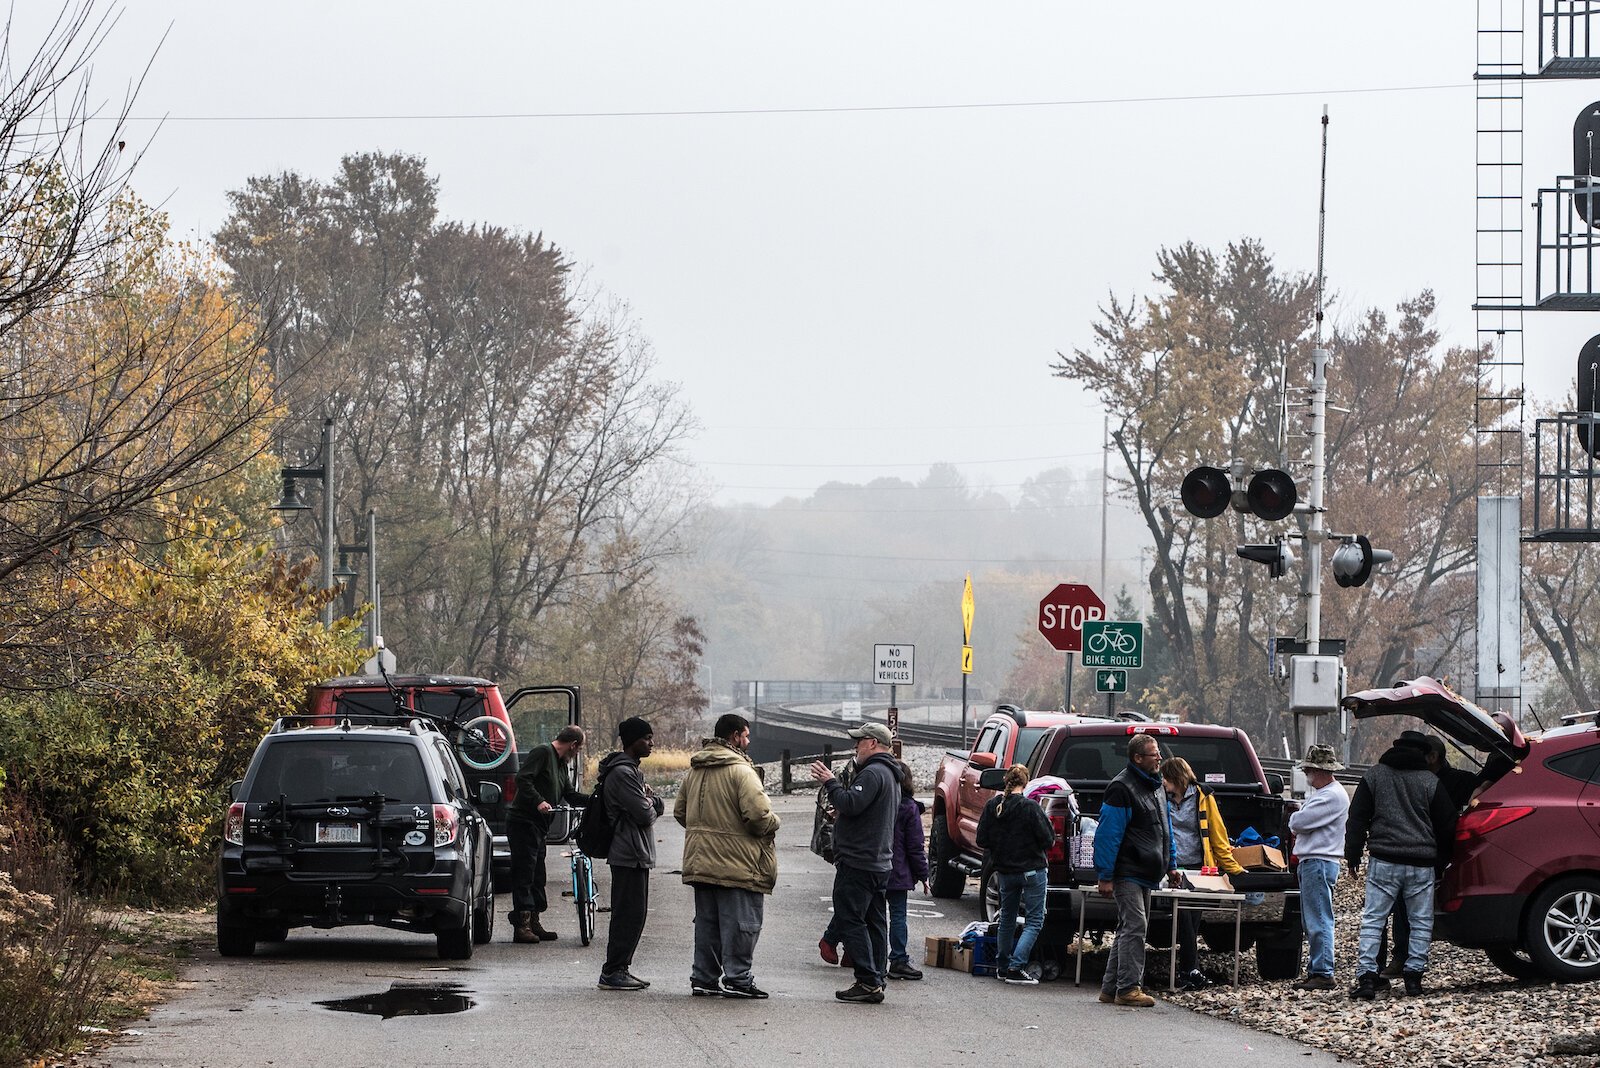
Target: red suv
column 1524, row 881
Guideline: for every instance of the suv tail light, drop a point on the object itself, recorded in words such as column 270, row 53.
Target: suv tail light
column 445, row 825
column 1480, row 821
column 233, row 826
column 1058, row 852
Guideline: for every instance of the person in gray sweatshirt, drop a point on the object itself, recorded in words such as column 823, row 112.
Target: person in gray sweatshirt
column 1319, row 829
column 863, row 856
column 1403, row 817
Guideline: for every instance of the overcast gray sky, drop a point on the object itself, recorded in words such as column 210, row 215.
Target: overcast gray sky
column 860, row 252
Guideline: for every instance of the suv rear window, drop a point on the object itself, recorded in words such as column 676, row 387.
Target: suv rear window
column 1098, row 759
column 344, row 767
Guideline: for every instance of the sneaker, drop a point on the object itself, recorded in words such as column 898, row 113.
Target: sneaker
column 643, row 983
column 1107, row 997
column 1018, row 977
column 1413, row 981
column 1193, row 980
column 704, row 990
column 742, row 990
column 1315, row 982
column 829, row 951
column 1136, row 998
column 620, row 981
column 1366, row 987
column 904, row 970
column 861, row 993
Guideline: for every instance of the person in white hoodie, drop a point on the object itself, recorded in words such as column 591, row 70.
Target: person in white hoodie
column 1319, row 844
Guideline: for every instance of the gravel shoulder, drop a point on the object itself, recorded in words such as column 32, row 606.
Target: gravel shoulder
column 1471, row 1014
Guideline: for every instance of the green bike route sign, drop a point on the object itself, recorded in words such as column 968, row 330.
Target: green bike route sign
column 1113, row 643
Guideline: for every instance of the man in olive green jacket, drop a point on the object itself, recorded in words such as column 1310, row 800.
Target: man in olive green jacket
column 730, row 858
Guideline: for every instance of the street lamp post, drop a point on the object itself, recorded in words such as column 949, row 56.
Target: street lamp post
column 345, row 573
column 293, row 502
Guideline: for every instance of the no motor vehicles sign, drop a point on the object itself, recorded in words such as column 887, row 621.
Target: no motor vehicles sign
column 894, row 665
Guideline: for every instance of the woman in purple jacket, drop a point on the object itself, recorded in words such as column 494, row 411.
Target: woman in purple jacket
column 910, row 868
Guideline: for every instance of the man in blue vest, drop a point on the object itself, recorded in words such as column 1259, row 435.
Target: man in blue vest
column 1133, row 849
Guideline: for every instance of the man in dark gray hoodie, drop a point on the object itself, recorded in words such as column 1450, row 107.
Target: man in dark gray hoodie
column 1402, row 816
column 632, row 808
column 863, row 856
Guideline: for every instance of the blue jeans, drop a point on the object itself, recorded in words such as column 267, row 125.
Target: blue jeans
column 899, row 933
column 1026, row 888
column 1388, row 884
column 1317, row 877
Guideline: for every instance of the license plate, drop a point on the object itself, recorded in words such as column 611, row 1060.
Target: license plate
column 342, row 833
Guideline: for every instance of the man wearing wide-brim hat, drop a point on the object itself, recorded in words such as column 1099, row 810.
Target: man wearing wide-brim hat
column 1319, row 828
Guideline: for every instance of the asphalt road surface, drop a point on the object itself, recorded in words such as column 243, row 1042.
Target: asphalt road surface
column 538, row 1004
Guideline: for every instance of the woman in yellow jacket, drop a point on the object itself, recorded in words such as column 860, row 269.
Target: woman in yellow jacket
column 1201, row 840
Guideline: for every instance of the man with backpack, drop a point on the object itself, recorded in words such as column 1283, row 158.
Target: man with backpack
column 730, row 858
column 542, row 783
column 630, row 807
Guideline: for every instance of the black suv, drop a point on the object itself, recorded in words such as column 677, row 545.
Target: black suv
column 365, row 820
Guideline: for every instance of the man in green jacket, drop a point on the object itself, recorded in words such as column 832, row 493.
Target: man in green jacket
column 542, row 783
column 729, row 857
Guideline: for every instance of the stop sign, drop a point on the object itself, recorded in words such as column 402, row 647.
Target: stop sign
column 1062, row 613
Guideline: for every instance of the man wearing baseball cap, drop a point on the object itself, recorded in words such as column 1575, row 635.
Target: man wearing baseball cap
column 863, row 851
column 1319, row 828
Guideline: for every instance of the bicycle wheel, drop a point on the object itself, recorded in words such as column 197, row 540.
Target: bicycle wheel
column 583, row 896
column 484, row 743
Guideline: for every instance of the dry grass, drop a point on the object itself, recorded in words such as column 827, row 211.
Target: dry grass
column 661, row 768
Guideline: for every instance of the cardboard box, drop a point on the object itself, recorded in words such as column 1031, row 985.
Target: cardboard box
column 937, row 951
column 961, row 959
column 1259, row 858
column 1216, row 884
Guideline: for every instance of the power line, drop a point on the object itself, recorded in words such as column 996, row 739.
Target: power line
column 502, row 116
column 928, row 463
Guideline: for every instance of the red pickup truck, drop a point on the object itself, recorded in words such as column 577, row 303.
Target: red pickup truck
column 1087, row 752
column 1007, row 737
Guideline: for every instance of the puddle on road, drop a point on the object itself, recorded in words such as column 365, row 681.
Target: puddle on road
column 407, row 999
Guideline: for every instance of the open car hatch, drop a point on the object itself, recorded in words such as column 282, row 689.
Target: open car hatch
column 1445, row 711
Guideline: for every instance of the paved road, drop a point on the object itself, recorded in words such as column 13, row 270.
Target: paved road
column 539, row 1004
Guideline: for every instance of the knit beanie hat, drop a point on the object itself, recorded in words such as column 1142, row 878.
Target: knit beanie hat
column 632, row 729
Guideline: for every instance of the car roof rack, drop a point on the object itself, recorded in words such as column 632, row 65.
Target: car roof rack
column 1580, row 717
column 346, row 721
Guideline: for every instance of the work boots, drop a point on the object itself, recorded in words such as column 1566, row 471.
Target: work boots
column 523, row 930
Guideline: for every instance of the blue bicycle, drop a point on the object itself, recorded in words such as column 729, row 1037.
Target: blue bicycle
column 583, row 895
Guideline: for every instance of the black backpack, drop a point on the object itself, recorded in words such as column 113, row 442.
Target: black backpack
column 595, row 832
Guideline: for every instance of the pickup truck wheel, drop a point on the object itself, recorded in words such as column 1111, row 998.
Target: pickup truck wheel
column 1278, row 958
column 1563, row 936
column 945, row 881
column 1514, row 961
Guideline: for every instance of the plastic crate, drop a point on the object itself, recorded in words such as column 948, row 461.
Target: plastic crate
column 985, row 954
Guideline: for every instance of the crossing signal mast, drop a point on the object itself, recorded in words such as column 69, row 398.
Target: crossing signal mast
column 1316, row 681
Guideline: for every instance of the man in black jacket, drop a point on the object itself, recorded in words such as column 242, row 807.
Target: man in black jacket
column 863, row 856
column 1402, row 816
column 542, row 783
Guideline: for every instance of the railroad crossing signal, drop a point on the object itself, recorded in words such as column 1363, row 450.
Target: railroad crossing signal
column 1111, row 680
column 1113, row 643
